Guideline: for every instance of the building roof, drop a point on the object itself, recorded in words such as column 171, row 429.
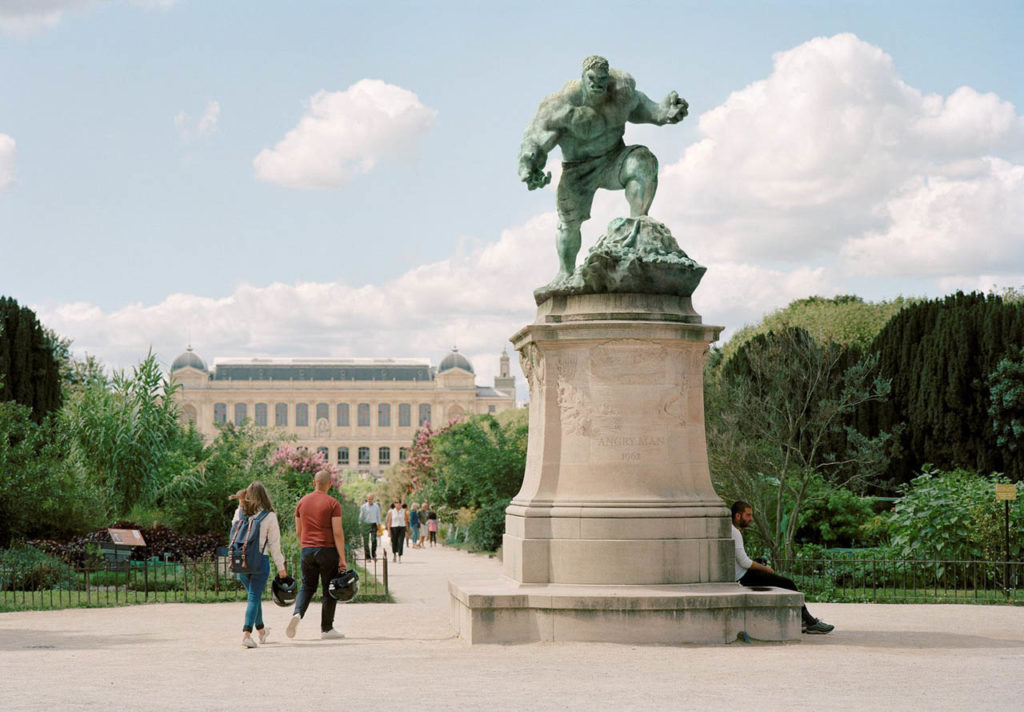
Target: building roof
column 455, row 360
column 321, row 369
column 188, row 359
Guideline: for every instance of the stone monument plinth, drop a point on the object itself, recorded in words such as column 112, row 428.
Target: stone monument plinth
column 617, row 534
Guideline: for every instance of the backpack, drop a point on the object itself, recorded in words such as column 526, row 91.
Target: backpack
column 244, row 548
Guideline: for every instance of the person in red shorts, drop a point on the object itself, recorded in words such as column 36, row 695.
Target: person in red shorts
column 318, row 527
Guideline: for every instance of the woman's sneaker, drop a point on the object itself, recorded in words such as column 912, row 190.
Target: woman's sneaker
column 248, row 642
column 263, row 635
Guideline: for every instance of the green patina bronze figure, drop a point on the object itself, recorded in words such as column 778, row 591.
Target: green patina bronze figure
column 587, row 120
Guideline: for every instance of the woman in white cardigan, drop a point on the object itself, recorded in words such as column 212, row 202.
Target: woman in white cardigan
column 251, row 501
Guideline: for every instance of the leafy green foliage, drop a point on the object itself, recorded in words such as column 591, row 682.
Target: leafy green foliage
column 837, row 517
column 42, row 492
column 954, row 516
column 845, row 320
column 126, row 433
column 29, row 372
column 479, row 464
column 938, row 355
column 25, row 568
column 1006, row 401
column 778, row 417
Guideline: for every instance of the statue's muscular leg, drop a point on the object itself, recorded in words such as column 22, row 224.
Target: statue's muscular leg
column 639, row 177
column 567, row 242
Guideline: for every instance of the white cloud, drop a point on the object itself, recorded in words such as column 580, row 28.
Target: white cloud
column 475, row 301
column 189, row 129
column 24, row 17
column 8, row 156
column 971, row 218
column 834, row 155
column 344, row 134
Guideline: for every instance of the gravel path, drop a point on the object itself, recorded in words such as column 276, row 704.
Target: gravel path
column 190, row 657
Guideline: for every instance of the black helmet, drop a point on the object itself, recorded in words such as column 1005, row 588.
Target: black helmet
column 284, row 590
column 344, row 586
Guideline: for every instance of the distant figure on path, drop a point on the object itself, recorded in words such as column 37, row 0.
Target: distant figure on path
column 318, row 528
column 751, row 573
column 414, row 526
column 251, row 501
column 369, row 520
column 397, row 519
column 432, row 527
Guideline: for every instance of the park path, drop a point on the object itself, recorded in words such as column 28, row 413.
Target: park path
column 189, row 657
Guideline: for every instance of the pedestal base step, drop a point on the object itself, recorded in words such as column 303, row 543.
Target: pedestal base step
column 504, row 611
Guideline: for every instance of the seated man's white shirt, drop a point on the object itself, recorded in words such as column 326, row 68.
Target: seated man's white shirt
column 743, row 561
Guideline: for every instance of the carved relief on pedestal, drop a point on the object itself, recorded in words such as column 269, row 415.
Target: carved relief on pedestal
column 531, row 360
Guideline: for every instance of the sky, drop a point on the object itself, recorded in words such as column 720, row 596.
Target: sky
column 335, row 178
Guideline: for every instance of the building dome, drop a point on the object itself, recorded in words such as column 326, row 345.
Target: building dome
column 188, row 359
column 455, row 360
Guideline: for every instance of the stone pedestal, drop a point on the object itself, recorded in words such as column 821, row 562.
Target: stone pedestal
column 617, row 533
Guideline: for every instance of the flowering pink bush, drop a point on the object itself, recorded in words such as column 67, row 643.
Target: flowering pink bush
column 302, row 462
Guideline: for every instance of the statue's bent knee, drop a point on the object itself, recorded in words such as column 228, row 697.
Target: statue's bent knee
column 640, row 164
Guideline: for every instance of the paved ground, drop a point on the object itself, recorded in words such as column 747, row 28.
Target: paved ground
column 188, row 656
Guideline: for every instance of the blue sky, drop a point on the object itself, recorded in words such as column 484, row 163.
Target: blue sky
column 339, row 178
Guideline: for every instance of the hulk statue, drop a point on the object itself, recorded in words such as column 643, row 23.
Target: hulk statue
column 587, row 120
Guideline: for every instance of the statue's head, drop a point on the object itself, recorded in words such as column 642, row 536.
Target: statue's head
column 595, row 75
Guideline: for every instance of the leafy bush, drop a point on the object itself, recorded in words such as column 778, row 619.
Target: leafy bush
column 836, row 517
column 486, row 530
column 953, row 516
column 479, row 464
column 26, row 568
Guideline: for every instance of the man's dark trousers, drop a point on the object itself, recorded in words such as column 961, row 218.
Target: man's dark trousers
column 763, row 578
column 370, row 539
column 319, row 564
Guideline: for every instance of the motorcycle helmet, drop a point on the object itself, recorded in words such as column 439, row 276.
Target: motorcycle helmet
column 344, row 586
column 284, row 590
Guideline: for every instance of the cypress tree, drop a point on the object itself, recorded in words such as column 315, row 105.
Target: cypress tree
column 29, row 372
column 939, row 355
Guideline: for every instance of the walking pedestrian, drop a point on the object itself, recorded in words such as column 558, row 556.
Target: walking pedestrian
column 318, row 528
column 396, row 524
column 252, row 501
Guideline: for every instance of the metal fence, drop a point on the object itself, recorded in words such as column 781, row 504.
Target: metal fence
column 115, row 583
column 852, row 579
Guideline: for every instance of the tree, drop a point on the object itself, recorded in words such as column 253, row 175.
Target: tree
column 1006, row 401
column 43, row 492
column 938, row 355
column 847, row 320
column 29, row 372
column 126, row 433
column 778, row 418
column 479, row 463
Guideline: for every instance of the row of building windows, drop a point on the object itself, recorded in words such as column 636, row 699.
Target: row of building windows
column 363, row 455
column 342, row 418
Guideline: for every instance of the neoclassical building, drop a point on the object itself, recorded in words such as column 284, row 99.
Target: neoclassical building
column 362, row 412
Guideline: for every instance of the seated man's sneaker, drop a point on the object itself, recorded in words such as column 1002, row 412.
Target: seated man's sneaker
column 819, row 626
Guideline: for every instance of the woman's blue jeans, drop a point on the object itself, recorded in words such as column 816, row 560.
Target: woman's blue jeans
column 254, row 585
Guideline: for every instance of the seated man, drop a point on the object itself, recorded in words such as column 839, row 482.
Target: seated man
column 751, row 573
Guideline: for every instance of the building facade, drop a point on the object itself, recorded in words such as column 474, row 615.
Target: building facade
column 362, row 412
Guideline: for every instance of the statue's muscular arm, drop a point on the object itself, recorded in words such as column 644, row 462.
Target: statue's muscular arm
column 672, row 109
column 540, row 138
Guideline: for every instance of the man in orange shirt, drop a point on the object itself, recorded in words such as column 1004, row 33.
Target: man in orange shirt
column 318, row 528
